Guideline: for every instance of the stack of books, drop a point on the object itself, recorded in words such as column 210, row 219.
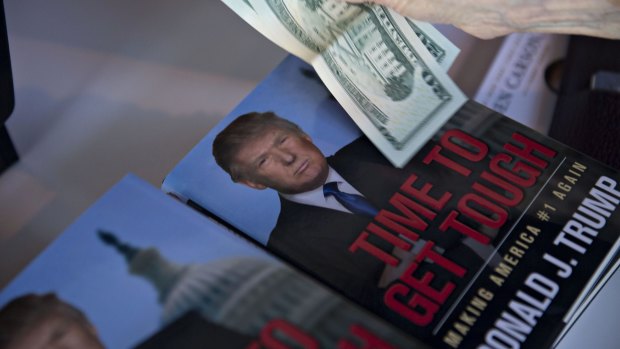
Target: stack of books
column 492, row 236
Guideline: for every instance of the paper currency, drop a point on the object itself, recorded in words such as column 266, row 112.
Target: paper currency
column 443, row 50
column 374, row 63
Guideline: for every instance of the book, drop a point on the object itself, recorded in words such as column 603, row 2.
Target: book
column 140, row 269
column 490, row 237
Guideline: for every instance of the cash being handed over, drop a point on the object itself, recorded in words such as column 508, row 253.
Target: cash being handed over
column 387, row 72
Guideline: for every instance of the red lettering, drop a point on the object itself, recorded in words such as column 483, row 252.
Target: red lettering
column 422, row 194
column 528, row 148
column 423, row 304
column 286, row 330
column 423, row 285
column 419, row 310
column 362, row 243
column 434, row 155
column 521, row 174
column 466, row 208
column 481, row 148
column 391, row 220
column 409, row 218
column 408, row 206
column 369, row 340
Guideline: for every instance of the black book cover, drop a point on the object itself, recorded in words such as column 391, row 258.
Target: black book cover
column 487, row 238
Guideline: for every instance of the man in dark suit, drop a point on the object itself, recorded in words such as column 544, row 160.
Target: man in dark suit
column 315, row 227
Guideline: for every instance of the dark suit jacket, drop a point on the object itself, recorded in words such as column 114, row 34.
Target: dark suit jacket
column 316, row 239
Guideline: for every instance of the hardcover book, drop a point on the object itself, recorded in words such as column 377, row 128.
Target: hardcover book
column 492, row 236
column 139, row 269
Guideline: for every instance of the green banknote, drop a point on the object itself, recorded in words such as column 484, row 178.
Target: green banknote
column 383, row 68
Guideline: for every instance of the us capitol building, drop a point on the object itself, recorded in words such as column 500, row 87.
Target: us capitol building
column 244, row 293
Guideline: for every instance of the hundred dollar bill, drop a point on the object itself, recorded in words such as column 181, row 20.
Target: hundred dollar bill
column 245, row 10
column 373, row 62
column 442, row 49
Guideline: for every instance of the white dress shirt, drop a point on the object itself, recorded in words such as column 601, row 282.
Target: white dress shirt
column 315, row 197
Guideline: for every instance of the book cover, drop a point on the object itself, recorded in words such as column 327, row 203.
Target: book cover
column 139, row 269
column 485, row 239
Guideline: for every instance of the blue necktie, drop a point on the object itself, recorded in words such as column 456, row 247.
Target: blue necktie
column 357, row 204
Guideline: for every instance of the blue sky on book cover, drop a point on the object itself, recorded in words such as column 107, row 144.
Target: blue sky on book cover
column 87, row 273
column 291, row 91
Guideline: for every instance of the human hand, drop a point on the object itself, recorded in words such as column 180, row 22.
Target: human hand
column 491, row 18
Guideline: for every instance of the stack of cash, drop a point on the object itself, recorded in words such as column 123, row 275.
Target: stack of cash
column 388, row 72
